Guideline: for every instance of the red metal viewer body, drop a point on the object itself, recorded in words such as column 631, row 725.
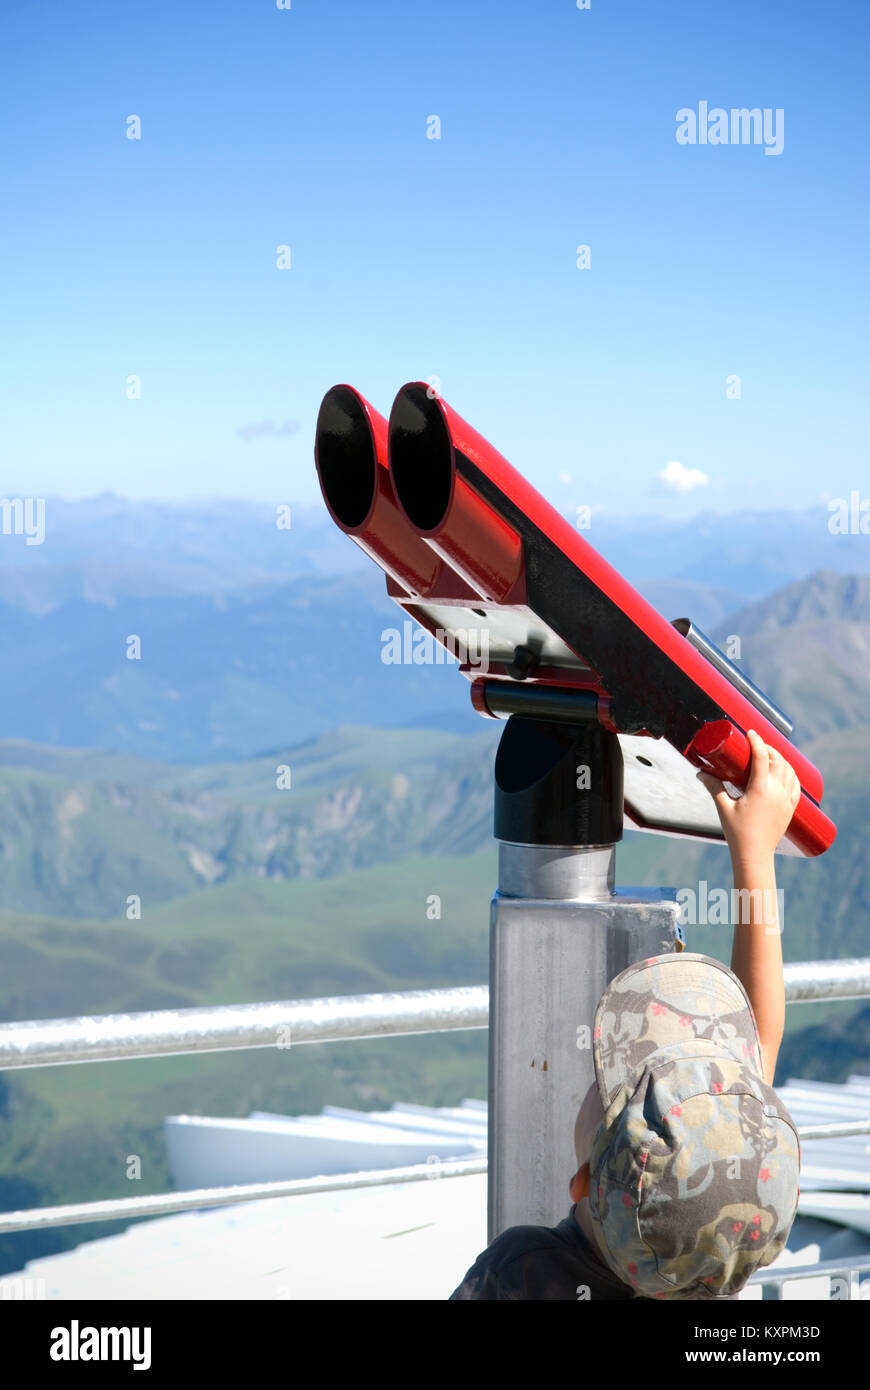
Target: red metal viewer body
column 469, row 546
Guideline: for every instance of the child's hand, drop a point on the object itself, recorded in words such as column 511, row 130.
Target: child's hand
column 755, row 823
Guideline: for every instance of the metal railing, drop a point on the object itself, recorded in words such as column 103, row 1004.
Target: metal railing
column 160, row 1204
column 284, row 1024
column 287, row 1023
column 126, row 1208
column 836, row 1129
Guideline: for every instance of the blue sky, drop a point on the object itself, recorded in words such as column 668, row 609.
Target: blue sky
column 454, row 258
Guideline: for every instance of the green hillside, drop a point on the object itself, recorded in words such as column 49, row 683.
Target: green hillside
column 79, row 833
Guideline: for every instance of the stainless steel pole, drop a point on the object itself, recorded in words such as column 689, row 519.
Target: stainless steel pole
column 560, row 931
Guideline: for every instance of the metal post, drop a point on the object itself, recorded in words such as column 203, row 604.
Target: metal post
column 559, row 933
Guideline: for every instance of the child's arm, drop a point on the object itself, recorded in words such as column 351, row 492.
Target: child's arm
column 753, row 826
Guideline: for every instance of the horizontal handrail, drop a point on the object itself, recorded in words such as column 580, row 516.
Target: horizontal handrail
column 808, row 981
column 283, row 1024
column 73, row 1213
column 838, row 1129
column 37, row 1218
column 287, row 1023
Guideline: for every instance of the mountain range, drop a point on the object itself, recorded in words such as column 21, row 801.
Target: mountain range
column 252, row 637
column 108, row 548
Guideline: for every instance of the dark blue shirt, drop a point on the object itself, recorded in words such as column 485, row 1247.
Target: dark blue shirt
column 544, row 1262
column 540, row 1262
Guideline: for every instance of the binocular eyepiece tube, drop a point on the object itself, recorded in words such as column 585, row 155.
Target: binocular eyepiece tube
column 453, row 518
column 350, row 452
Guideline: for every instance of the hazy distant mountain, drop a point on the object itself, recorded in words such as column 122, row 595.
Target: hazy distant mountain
column 808, row 646
column 224, row 675
column 106, row 548
column 824, row 597
column 747, row 552
column 681, row 598
column 228, row 674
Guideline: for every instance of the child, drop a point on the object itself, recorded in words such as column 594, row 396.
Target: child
column 688, row 1163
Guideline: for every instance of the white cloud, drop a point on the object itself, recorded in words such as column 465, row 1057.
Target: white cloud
column 565, row 478
column 680, row 479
